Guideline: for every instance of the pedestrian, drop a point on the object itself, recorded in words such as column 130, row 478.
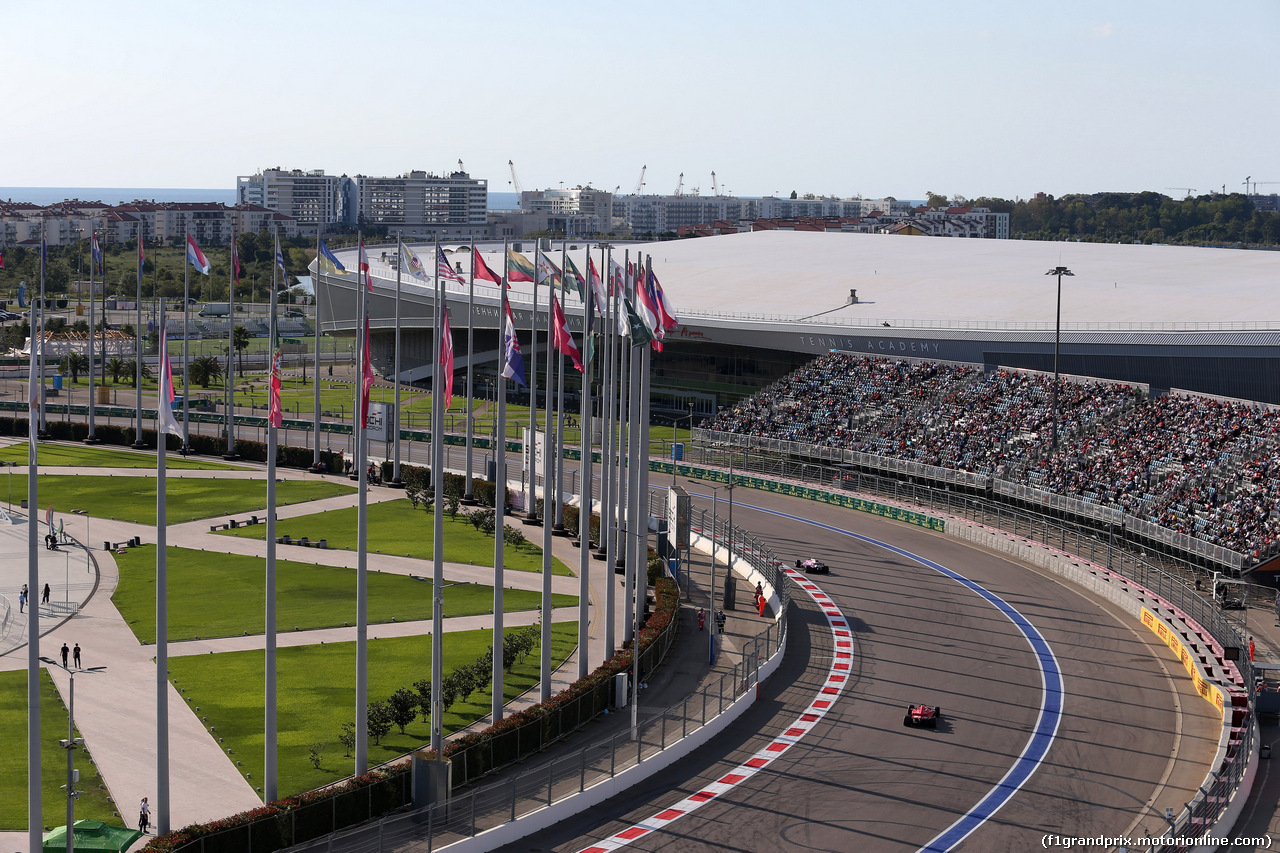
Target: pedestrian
column 64, row 655
column 760, row 600
column 75, row 655
column 45, row 598
column 144, row 816
column 22, row 601
column 1251, row 650
column 702, row 619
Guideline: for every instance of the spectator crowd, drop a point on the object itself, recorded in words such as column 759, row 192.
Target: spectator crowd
column 1196, row 465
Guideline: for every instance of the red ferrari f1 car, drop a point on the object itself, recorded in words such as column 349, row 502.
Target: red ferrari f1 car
column 922, row 715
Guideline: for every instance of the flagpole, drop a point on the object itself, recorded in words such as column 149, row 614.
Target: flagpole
column 395, row 432
column 499, row 497
column 608, row 512
column 138, row 443
column 437, row 550
column 315, row 423
column 625, row 452
column 186, row 331
column 362, row 534
column 584, row 496
column 558, row 527
column 231, row 347
column 549, row 450
column 468, row 494
column 92, row 438
column 162, row 600
column 638, row 518
column 35, row 817
column 269, row 745
column 44, row 260
column 531, row 502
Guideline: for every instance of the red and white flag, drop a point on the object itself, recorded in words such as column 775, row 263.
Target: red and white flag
column 443, row 270
column 364, row 268
column 563, row 338
column 366, row 378
column 598, row 286
column 446, row 358
column 275, row 413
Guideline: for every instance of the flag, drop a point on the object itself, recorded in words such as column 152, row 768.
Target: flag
column 364, row 267
column 235, row 259
column 518, row 267
column 366, row 382
column 630, row 325
column 602, row 298
column 665, row 312
column 164, row 409
column 574, row 278
column 446, row 358
column 616, row 280
column 547, row 270
column 22, row 294
column 443, row 270
column 195, row 257
column 511, row 345
column 327, row 262
column 95, row 253
column 563, row 338
column 411, row 263
column 1, row 260
column 284, row 273
column 646, row 309
column 482, row 270
column 142, row 254
column 275, row 412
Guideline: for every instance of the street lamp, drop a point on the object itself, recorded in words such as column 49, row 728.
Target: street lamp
column 69, row 744
column 1057, row 343
column 711, row 636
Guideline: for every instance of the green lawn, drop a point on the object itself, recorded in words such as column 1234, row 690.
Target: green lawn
column 80, row 456
column 316, row 690
column 134, row 498
column 93, row 803
column 221, row 595
column 395, row 527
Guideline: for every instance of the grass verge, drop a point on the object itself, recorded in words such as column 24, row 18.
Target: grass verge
column 221, row 595
column 316, row 690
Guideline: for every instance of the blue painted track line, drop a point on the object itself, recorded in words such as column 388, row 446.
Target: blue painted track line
column 1050, row 716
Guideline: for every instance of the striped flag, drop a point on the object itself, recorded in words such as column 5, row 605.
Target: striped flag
column 366, row 377
column 573, row 278
column 518, row 267
column 328, row 262
column 563, row 338
column 597, row 285
column 547, row 270
column 511, row 346
column 364, row 268
column 443, row 270
column 164, row 409
column 446, row 358
column 275, row 413
column 195, row 257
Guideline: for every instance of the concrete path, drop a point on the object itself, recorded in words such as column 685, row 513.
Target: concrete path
column 115, row 710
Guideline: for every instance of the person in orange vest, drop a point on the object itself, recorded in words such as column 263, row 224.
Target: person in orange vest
column 760, row 600
column 1251, row 650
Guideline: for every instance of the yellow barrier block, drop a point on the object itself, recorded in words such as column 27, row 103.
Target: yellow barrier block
column 1211, row 692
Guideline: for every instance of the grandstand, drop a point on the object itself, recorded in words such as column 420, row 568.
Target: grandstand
column 1192, row 464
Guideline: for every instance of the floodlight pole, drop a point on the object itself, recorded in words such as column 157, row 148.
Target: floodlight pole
column 70, row 746
column 1057, row 345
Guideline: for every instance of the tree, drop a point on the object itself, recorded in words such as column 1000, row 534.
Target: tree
column 380, row 721
column 347, row 737
column 205, row 369
column 424, row 697
column 403, row 705
column 932, row 199
column 75, row 363
column 115, row 368
column 132, row 367
column 240, row 341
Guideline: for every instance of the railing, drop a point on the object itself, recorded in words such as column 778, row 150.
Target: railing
column 466, row 815
column 711, row 443
column 877, row 324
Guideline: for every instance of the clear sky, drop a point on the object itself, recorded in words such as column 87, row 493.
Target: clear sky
column 837, row 97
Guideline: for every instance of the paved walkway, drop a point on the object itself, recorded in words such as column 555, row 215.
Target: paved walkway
column 115, row 711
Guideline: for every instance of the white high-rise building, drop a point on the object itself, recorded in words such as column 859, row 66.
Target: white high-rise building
column 314, row 199
column 453, row 205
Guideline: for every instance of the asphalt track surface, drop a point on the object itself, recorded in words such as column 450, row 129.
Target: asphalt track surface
column 860, row 780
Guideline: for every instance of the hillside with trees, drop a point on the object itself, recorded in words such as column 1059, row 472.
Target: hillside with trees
column 1145, row 217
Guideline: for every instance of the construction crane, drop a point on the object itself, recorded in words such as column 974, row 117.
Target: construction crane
column 679, row 186
column 640, row 183
column 1188, row 190
column 1246, row 183
column 515, row 180
column 715, row 188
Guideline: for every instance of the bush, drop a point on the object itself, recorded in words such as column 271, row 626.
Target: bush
column 380, row 721
column 403, row 705
column 512, row 536
column 423, row 688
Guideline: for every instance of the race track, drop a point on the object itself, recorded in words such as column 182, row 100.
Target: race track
column 860, row 780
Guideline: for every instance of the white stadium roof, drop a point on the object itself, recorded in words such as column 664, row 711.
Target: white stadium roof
column 921, row 279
